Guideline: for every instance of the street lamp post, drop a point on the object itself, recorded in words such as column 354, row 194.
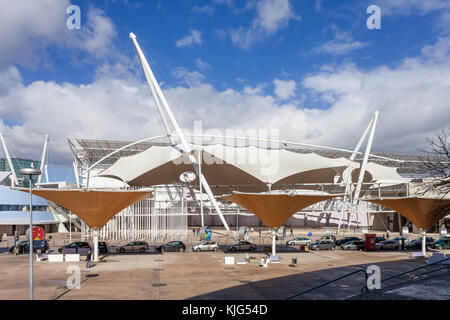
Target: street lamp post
column 31, row 172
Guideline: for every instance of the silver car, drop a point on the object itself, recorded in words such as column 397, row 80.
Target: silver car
column 242, row 246
column 299, row 241
column 388, row 244
column 206, row 246
column 354, row 245
column 323, row 245
column 135, row 246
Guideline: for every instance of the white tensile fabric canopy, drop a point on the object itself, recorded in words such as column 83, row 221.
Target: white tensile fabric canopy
column 248, row 169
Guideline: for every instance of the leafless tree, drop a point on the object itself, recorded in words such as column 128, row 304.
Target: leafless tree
column 437, row 163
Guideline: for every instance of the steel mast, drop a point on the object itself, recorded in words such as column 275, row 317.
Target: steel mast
column 159, row 97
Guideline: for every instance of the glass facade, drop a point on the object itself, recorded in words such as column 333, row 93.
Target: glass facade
column 16, row 207
column 18, row 164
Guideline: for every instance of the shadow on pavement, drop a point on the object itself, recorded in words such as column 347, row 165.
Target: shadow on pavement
column 282, row 287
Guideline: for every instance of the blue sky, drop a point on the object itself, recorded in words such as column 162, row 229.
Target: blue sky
column 310, row 69
column 289, row 53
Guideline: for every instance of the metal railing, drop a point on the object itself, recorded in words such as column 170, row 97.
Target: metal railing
column 419, row 268
column 334, row 280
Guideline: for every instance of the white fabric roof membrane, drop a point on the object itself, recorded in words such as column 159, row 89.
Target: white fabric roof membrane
column 249, row 168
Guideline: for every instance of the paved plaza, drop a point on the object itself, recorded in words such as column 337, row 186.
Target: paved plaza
column 202, row 276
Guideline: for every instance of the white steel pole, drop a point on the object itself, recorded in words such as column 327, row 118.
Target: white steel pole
column 363, row 166
column 201, row 189
column 274, row 251
column 8, row 158
column 46, row 173
column 95, row 236
column 348, row 175
column 30, row 240
column 77, row 173
column 70, row 226
column 44, row 153
column 147, row 69
column 424, row 242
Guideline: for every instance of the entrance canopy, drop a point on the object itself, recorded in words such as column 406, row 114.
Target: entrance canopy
column 94, row 207
column 423, row 212
column 247, row 169
column 274, row 209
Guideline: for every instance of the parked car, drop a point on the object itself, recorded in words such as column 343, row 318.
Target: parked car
column 102, row 247
column 442, row 243
column 399, row 240
column 75, row 247
column 206, row 246
column 417, row 244
column 346, row 240
column 177, row 246
column 379, row 239
column 299, row 241
column 329, row 238
column 354, row 245
column 134, row 246
column 388, row 244
column 39, row 246
column 323, row 245
column 242, row 246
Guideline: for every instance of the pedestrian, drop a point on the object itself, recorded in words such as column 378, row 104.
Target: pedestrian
column 193, row 232
column 259, row 231
column 88, row 259
column 16, row 237
column 292, row 232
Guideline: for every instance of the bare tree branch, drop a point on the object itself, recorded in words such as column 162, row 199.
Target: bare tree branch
column 437, row 164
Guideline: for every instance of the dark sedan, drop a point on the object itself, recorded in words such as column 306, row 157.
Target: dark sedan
column 417, row 244
column 175, row 246
column 39, row 246
column 379, row 239
column 102, row 247
column 346, row 240
column 76, row 247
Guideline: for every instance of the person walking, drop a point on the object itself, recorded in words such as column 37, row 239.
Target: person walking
column 16, row 237
column 292, row 232
column 88, row 259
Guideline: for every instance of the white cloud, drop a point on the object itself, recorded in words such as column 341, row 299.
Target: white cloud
column 272, row 15
column 189, row 78
column 419, row 7
column 413, row 100
column 202, row 65
column 342, row 43
column 194, row 37
column 406, row 7
column 206, row 9
column 284, row 89
column 29, row 28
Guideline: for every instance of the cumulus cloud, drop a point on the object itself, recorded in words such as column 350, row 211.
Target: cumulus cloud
column 342, row 43
column 194, row 37
column 187, row 77
column 206, row 9
column 406, row 7
column 202, row 65
column 284, row 89
column 412, row 97
column 271, row 16
column 29, row 28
